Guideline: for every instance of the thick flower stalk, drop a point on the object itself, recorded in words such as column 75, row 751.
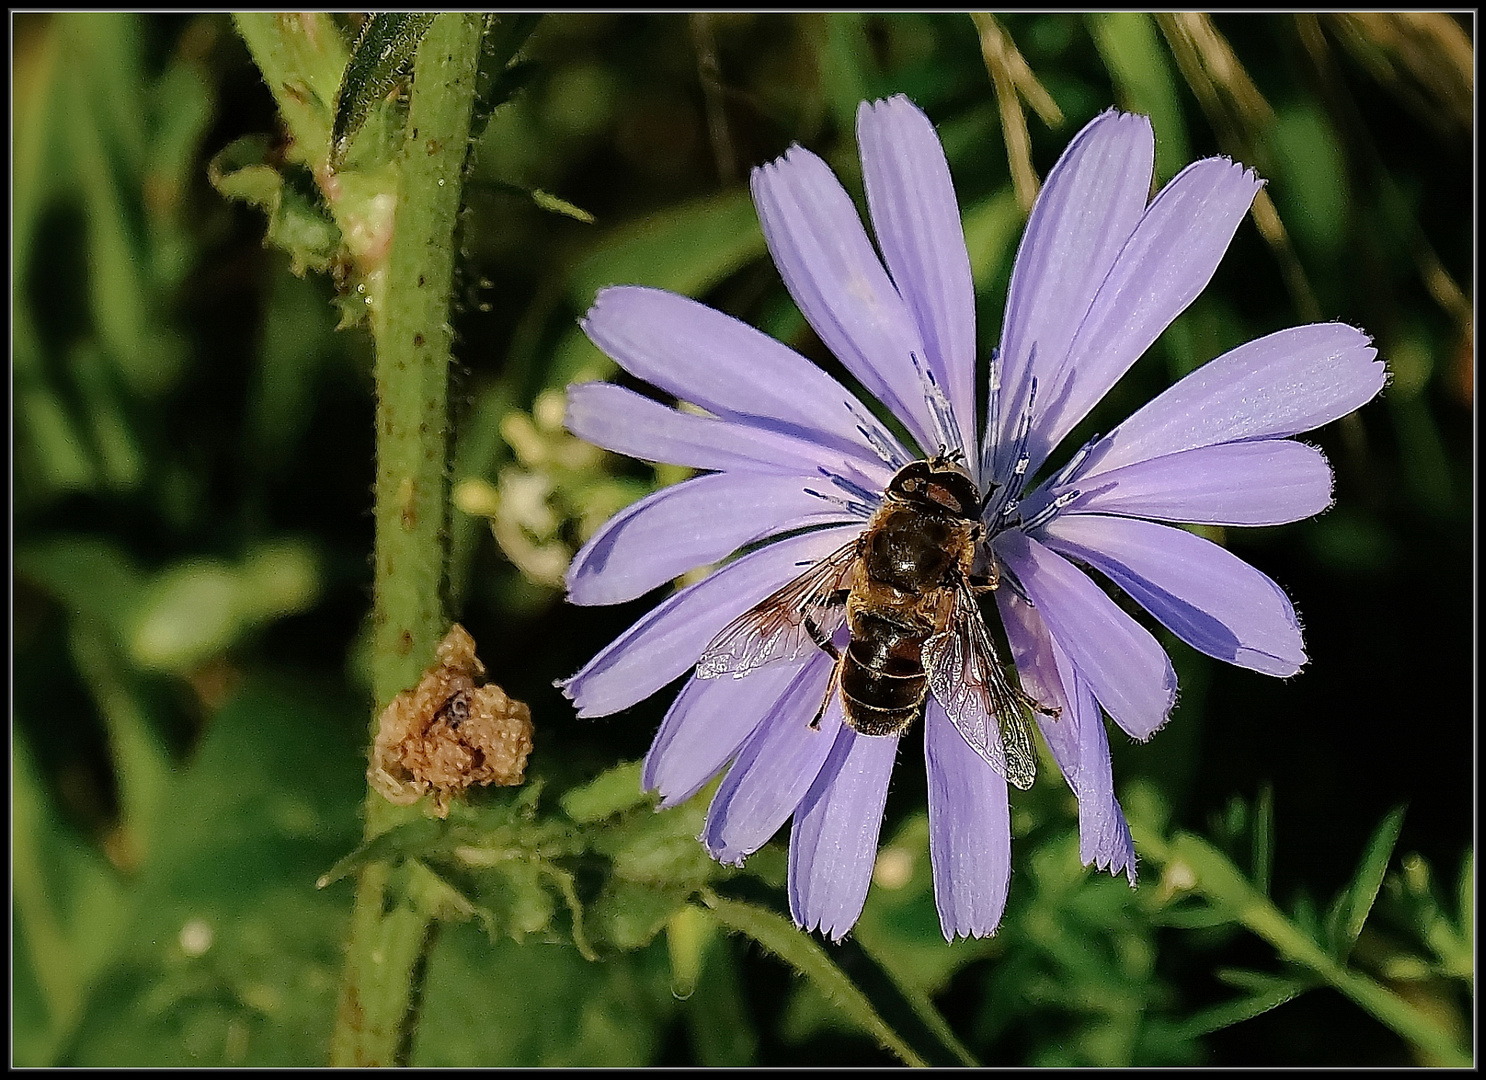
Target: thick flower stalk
column 793, row 467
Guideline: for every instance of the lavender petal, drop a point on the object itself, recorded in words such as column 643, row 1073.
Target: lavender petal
column 833, row 844
column 916, row 218
column 628, row 423
column 1092, row 200
column 1104, row 839
column 969, row 831
column 711, row 719
column 1202, row 593
column 727, row 367
column 1167, row 261
column 1279, row 385
column 774, row 771
column 669, row 639
column 1076, row 735
column 1268, row 482
column 828, row 264
column 680, row 527
column 1129, row 672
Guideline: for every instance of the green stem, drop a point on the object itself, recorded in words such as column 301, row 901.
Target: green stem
column 301, row 56
column 388, row 933
column 1220, row 881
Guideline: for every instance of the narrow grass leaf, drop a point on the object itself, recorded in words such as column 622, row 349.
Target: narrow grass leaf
column 803, row 953
column 1362, row 893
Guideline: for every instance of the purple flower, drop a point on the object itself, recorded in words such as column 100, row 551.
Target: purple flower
column 790, row 456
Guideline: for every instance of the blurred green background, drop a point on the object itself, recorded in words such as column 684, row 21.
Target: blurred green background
column 193, row 456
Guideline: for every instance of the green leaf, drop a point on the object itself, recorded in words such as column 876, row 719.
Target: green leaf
column 298, row 346
column 628, row 915
column 185, row 614
column 801, row 952
column 1263, row 839
column 610, row 793
column 1314, row 200
column 499, row 77
column 106, row 409
column 1266, row 992
column 540, row 1004
column 686, row 249
column 410, row 839
column 98, row 72
column 198, row 608
column 906, row 1006
column 297, row 222
column 1192, row 918
column 50, row 448
column 89, row 576
column 688, row 934
column 552, row 204
column 182, row 105
column 380, row 57
column 68, row 909
column 302, row 58
column 1362, row 893
column 1465, row 899
column 844, row 54
column 1449, row 942
column 140, row 761
column 36, row 144
column 659, row 849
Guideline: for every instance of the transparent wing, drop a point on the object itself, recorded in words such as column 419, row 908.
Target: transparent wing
column 786, row 624
column 966, row 678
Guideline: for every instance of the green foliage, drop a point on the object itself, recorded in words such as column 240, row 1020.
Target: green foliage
column 1317, row 952
column 1141, row 70
column 566, row 1011
column 779, row 937
column 217, row 950
column 381, row 55
column 199, row 201
column 297, row 222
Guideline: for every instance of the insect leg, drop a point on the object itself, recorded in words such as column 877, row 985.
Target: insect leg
column 819, row 636
column 1052, row 712
column 825, row 702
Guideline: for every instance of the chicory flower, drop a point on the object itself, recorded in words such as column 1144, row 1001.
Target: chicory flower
column 792, row 465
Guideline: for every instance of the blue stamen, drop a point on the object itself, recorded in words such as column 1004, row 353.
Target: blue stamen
column 946, row 427
column 1050, row 511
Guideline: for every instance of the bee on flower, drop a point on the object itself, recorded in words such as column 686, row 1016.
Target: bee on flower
column 855, row 609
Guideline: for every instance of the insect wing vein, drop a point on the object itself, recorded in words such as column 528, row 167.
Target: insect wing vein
column 778, row 628
column 966, row 679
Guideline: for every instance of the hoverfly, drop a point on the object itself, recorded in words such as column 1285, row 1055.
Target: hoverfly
column 904, row 589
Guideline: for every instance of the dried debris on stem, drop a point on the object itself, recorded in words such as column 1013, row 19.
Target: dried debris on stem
column 448, row 734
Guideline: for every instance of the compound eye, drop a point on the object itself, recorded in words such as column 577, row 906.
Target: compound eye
column 911, row 484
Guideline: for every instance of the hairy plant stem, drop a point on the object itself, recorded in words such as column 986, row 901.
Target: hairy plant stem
column 389, row 933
